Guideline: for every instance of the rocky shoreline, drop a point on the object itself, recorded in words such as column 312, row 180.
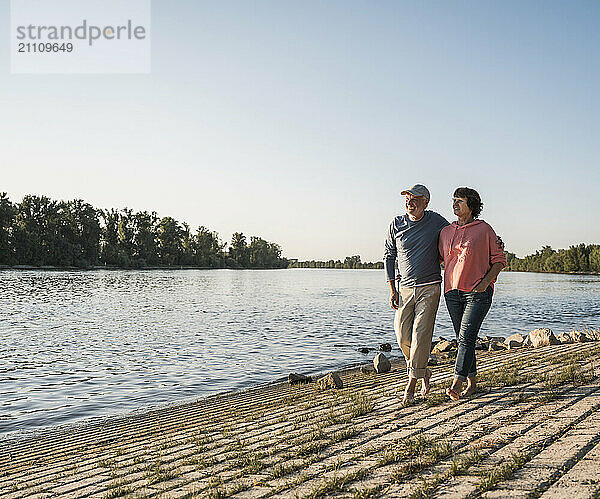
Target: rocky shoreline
column 532, row 430
column 443, row 350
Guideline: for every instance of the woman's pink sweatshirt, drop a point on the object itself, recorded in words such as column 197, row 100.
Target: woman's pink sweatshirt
column 468, row 252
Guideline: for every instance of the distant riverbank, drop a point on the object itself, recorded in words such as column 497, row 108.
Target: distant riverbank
column 184, row 267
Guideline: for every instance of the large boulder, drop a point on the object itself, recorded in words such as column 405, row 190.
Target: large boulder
column 443, row 346
column 381, row 364
column 514, row 341
column 385, row 347
column 543, row 337
column 496, row 345
column 493, row 338
column 435, row 342
column 564, row 338
column 593, row 334
column 579, row 337
column 331, row 380
column 298, row 379
column 481, row 344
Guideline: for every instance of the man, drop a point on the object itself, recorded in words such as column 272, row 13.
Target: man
column 412, row 239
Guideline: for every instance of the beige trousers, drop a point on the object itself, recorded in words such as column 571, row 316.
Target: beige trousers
column 414, row 322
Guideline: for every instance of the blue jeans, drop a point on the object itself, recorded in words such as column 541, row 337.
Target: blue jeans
column 467, row 310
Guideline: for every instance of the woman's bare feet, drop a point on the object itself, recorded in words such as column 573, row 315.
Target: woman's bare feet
column 454, row 391
column 471, row 387
column 425, row 383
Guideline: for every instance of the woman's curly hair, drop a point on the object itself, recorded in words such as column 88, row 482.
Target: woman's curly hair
column 473, row 199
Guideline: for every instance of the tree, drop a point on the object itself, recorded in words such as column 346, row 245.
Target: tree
column 41, row 231
column 209, row 249
column 594, row 258
column 109, row 246
column 7, row 214
column 170, row 246
column 36, row 230
column 145, row 249
column 126, row 235
column 259, row 253
column 352, row 262
column 575, row 259
column 238, row 250
column 188, row 246
column 554, row 263
column 80, row 233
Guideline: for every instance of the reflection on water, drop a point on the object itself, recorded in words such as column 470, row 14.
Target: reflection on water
column 87, row 344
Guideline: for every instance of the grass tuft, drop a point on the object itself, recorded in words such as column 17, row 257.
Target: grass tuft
column 336, row 483
column 117, row 489
column 502, row 471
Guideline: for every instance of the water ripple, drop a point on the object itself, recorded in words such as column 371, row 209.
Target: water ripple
column 89, row 344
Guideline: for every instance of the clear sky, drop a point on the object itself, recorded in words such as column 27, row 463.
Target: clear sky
column 301, row 122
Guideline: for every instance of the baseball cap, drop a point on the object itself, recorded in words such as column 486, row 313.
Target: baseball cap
column 417, row 190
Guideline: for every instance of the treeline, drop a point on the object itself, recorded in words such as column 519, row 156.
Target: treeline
column 40, row 231
column 350, row 262
column 579, row 258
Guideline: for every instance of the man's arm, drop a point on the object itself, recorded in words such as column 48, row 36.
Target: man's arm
column 394, row 296
column 389, row 261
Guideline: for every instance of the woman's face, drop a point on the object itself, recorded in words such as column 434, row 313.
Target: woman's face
column 460, row 207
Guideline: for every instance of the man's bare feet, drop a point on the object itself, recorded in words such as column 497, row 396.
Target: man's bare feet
column 470, row 389
column 425, row 383
column 409, row 392
column 408, row 400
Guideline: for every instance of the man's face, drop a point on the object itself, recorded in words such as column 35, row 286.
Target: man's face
column 415, row 205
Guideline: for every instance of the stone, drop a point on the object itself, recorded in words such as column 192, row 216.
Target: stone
column 364, row 350
column 543, row 337
column 330, row 381
column 495, row 338
column 481, row 344
column 564, row 338
column 496, row 345
column 443, row 346
column 298, row 379
column 433, row 360
column 579, row 337
column 514, row 341
column 381, row 364
column 435, row 342
column 527, row 342
column 594, row 334
column 385, row 347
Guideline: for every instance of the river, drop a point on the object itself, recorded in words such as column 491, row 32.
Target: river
column 78, row 345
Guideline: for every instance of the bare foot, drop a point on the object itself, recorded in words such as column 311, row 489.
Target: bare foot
column 409, row 393
column 408, row 400
column 425, row 383
column 470, row 389
column 453, row 394
column 454, row 391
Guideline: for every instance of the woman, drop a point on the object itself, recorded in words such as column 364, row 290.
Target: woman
column 473, row 257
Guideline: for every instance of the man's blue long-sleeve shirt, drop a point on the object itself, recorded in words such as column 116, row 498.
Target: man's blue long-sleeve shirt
column 415, row 245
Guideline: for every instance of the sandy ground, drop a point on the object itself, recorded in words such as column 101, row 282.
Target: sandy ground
column 533, row 430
